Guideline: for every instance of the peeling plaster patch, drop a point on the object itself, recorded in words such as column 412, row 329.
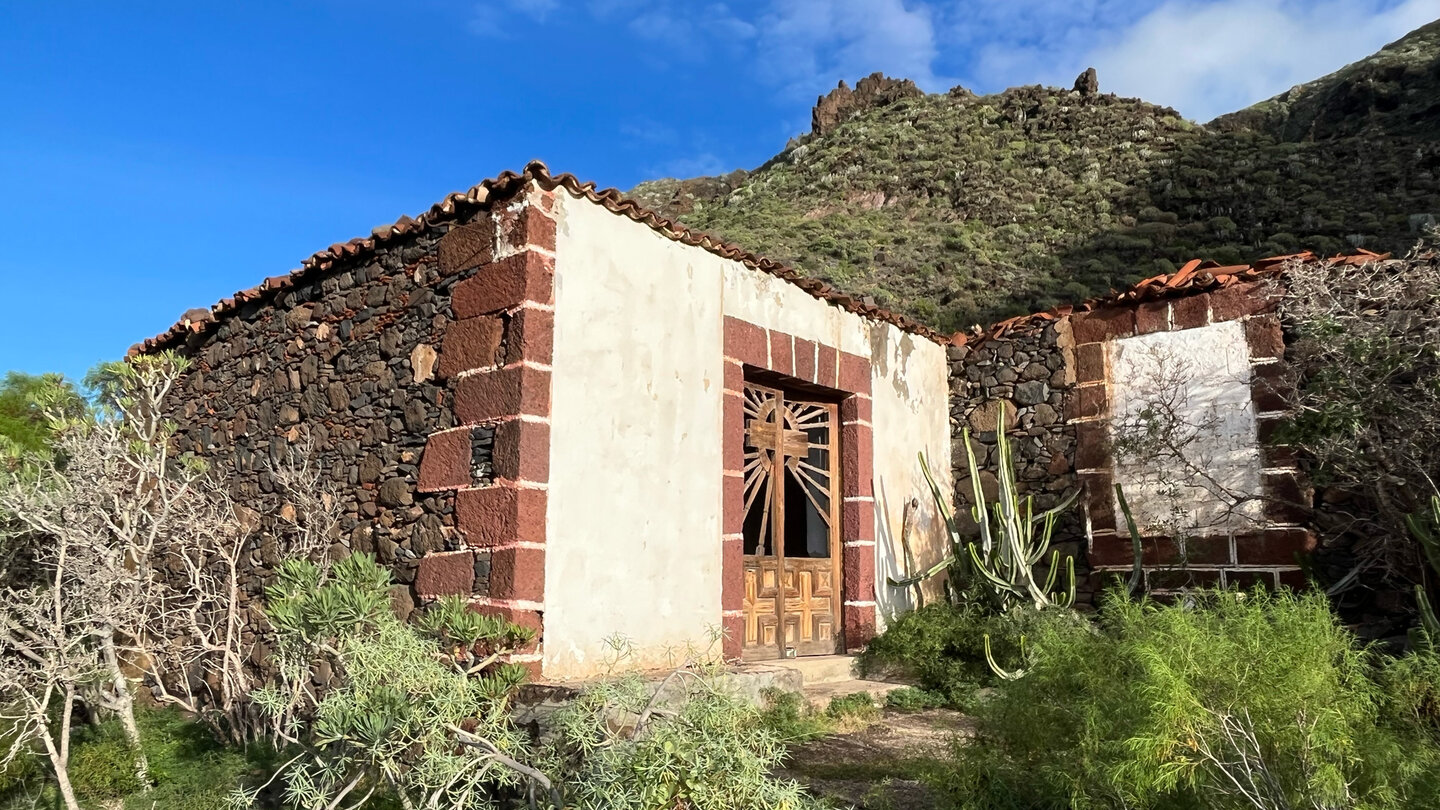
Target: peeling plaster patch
column 901, row 378
column 879, row 349
column 1065, row 339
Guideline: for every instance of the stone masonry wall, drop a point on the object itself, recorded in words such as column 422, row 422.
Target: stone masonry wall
column 365, row 367
column 1030, row 375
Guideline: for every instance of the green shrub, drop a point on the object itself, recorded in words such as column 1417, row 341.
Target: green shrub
column 791, row 719
column 1411, row 685
column 190, row 769
column 422, row 713
column 24, row 426
column 856, row 706
column 102, row 766
column 942, row 647
column 938, row 645
column 911, row 699
column 1158, row 707
column 704, row 748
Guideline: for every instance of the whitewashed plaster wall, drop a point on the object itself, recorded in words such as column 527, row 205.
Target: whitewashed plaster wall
column 910, row 389
column 634, row 522
column 1203, row 375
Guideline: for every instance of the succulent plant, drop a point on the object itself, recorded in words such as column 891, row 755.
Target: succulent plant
column 998, row 567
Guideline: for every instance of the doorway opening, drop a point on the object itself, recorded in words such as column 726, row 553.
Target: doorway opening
column 791, row 534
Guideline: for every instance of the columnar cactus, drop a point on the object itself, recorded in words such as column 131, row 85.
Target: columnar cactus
column 998, row 568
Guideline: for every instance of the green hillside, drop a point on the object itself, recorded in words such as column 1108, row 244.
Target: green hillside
column 961, row 209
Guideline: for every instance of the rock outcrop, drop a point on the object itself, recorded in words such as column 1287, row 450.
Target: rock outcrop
column 683, row 196
column 875, row 90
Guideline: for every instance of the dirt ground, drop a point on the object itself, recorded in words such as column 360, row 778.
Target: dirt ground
column 879, row 767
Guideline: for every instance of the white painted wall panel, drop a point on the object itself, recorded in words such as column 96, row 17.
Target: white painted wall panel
column 1195, row 384
column 634, row 521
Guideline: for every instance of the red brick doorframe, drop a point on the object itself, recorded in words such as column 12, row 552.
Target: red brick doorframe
column 848, row 377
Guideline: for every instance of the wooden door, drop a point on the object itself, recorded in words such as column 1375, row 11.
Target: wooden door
column 792, row 538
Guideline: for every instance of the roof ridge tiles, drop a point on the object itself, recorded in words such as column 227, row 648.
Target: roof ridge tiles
column 502, row 187
column 1195, row 276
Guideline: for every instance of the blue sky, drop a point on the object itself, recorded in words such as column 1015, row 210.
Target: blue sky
column 159, row 156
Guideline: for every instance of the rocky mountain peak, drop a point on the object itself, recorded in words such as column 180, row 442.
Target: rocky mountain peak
column 959, row 208
column 842, row 103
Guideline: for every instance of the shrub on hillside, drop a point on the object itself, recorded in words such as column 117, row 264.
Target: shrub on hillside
column 942, row 647
column 1230, row 700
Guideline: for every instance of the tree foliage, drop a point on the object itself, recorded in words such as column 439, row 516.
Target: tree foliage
column 29, row 404
column 1366, row 360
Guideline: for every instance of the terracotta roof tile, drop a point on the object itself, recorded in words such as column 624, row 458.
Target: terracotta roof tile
column 1196, row 276
column 499, row 188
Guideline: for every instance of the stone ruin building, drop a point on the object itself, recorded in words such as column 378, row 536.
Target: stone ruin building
column 1177, row 390
column 586, row 418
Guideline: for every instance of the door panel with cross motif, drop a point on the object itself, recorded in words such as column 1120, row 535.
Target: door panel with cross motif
column 792, row 551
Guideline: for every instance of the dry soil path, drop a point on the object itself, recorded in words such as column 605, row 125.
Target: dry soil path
column 880, row 766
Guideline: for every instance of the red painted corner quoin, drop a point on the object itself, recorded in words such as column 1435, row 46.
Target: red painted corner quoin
column 847, row 376
column 496, row 356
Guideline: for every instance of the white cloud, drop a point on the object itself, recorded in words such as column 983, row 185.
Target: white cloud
column 1005, row 44
column 802, row 47
column 807, row 46
column 1203, row 57
column 487, row 21
column 649, row 131
column 535, row 9
column 701, row 165
column 605, row 9
column 675, row 31
column 497, row 17
column 1205, row 60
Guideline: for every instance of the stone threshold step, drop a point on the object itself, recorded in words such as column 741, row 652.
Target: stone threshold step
column 812, row 669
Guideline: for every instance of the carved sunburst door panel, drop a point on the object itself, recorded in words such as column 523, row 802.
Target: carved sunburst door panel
column 791, row 538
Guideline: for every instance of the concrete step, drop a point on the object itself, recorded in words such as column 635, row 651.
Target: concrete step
column 818, row 678
column 819, row 695
column 817, row 669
